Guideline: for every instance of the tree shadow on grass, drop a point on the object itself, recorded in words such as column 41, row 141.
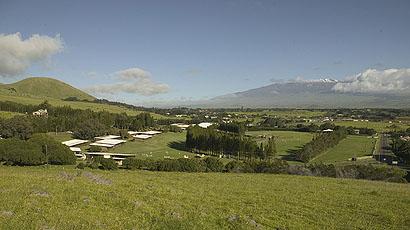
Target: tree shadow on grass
column 178, row 145
column 291, row 156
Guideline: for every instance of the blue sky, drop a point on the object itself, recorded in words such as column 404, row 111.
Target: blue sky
column 202, row 49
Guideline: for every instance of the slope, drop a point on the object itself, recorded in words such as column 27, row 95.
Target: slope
column 44, row 87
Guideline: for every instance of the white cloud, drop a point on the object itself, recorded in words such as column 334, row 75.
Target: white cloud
column 372, row 80
column 132, row 80
column 132, row 74
column 17, row 54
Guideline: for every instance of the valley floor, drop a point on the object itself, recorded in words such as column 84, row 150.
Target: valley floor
column 47, row 198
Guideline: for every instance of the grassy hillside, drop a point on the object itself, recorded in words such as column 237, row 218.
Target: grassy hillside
column 40, row 199
column 44, row 87
column 36, row 90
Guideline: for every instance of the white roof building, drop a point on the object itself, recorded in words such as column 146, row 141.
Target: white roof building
column 75, row 149
column 72, row 143
column 205, row 124
column 144, row 133
column 108, row 137
column 109, row 143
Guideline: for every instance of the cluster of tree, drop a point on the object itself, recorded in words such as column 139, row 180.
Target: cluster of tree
column 215, row 142
column 319, row 144
column 209, row 164
column 275, row 166
column 67, row 119
column 401, row 149
column 37, row 150
column 238, row 128
column 275, row 122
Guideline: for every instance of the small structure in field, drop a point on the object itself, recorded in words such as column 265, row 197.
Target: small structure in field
column 180, row 125
column 118, row 157
column 74, row 142
column 141, row 137
column 327, row 130
column 41, row 113
column 108, row 137
column 106, row 144
column 205, row 124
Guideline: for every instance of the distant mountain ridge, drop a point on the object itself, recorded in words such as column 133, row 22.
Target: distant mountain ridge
column 318, row 93
column 44, row 87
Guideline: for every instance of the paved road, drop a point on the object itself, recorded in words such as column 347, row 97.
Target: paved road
column 384, row 153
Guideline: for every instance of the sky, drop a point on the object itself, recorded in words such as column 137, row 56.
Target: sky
column 143, row 52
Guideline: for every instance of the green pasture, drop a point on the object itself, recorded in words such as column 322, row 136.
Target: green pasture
column 378, row 126
column 288, row 141
column 6, row 114
column 47, row 198
column 351, row 146
column 285, row 113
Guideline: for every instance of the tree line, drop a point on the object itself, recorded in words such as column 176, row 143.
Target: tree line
column 65, row 118
column 320, row 143
column 216, row 142
column 401, row 147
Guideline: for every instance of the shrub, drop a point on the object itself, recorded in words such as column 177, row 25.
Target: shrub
column 299, row 170
column 213, row 164
column 18, row 152
column 234, row 166
column 94, row 148
column 276, row 166
column 191, row 165
column 323, row 170
column 108, row 164
column 81, row 165
column 57, row 152
column 168, row 165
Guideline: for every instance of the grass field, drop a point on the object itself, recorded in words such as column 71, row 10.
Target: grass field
column 289, row 141
column 166, row 144
column 36, row 198
column 6, row 114
column 352, row 146
column 285, row 113
column 378, row 126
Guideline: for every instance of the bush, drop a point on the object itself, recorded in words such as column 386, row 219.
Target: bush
column 94, row 148
column 57, row 152
column 191, row 165
column 276, row 166
column 322, row 170
column 81, row 165
column 18, row 152
column 108, row 164
column 370, row 172
column 168, row 165
column 234, row 166
column 213, row 164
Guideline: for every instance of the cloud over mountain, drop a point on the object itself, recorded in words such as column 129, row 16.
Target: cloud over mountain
column 372, row 80
column 17, row 54
column 132, row 80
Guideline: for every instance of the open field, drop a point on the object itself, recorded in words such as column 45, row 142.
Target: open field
column 351, row 146
column 285, row 113
column 6, row 114
column 289, row 141
column 35, row 198
column 165, row 144
column 378, row 126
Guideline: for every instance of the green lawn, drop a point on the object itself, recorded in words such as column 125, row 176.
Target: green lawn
column 378, row 126
column 6, row 114
column 285, row 113
column 165, row 144
column 289, row 141
column 352, row 146
column 35, row 198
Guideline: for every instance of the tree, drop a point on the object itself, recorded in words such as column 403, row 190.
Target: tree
column 17, row 126
column 89, row 129
column 54, row 151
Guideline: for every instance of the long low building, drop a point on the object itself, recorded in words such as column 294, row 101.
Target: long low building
column 144, row 133
column 74, row 142
column 108, row 137
column 108, row 143
column 142, row 137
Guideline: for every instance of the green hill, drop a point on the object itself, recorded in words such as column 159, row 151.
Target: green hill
column 44, row 87
column 42, row 198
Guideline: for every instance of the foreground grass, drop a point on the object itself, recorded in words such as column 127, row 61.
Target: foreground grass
column 154, row 200
column 351, row 146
